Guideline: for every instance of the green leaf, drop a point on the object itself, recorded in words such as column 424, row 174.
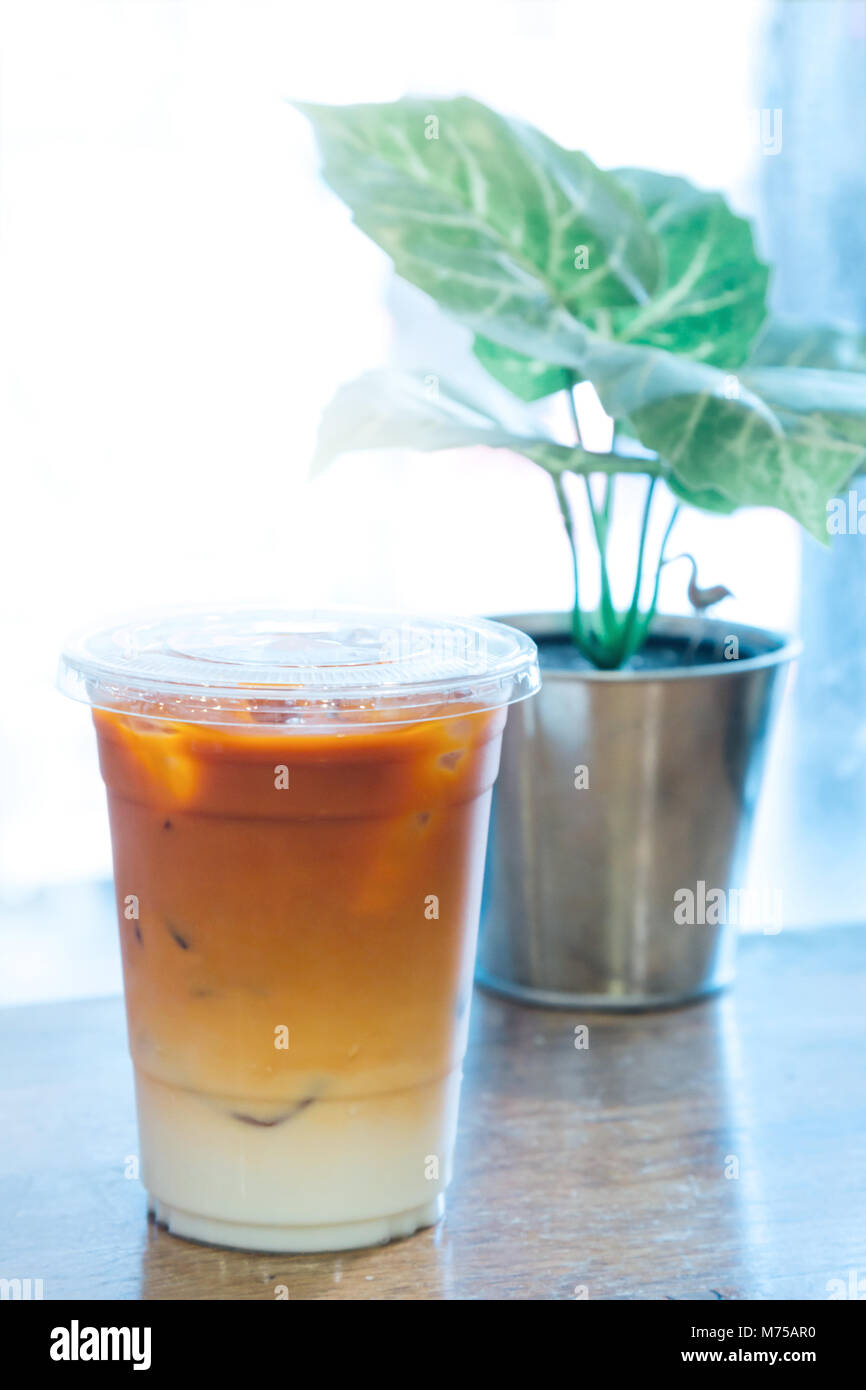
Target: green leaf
column 827, row 402
column 709, row 304
column 792, row 453
column 735, row 447
column 706, row 499
column 385, row 409
column 712, row 298
column 715, row 452
column 795, row 343
column 711, row 442
column 490, row 217
column 485, row 217
column 528, row 378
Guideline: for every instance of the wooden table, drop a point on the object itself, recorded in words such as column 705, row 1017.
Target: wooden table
column 605, row 1170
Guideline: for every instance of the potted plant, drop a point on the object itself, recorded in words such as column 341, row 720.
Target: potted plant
column 627, row 787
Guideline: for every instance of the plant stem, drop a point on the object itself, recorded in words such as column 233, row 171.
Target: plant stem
column 650, row 613
column 641, row 550
column 626, row 644
column 600, row 523
column 607, row 501
column 572, row 404
column 565, row 509
column 616, row 636
column 608, row 615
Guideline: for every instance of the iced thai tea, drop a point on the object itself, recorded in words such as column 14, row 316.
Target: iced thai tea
column 299, row 809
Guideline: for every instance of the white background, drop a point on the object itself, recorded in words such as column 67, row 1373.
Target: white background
column 179, row 297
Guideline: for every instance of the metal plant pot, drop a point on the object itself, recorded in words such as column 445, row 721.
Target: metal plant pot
column 579, row 904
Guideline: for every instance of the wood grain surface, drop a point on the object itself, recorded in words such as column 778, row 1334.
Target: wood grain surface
column 597, row 1172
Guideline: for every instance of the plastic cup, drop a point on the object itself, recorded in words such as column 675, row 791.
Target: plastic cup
column 299, row 807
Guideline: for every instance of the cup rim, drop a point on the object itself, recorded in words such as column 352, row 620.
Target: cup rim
column 778, row 648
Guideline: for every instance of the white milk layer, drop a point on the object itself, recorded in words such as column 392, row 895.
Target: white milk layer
column 327, row 1175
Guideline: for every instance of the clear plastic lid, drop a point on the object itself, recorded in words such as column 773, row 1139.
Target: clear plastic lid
column 313, row 668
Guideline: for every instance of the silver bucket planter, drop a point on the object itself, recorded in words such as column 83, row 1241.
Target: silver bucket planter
column 579, row 905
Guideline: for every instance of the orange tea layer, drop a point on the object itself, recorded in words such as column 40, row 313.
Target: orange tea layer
column 298, row 911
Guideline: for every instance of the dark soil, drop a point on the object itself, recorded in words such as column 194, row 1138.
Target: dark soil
column 659, row 654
